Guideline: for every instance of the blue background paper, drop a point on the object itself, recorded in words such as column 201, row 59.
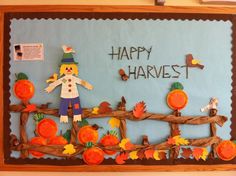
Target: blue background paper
column 209, row 41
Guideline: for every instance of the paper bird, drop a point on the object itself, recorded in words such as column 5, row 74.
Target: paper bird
column 52, row 78
column 211, row 105
column 191, row 62
column 68, row 49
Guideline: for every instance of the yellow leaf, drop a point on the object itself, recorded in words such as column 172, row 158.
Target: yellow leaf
column 156, row 155
column 133, row 155
column 69, row 149
column 204, row 154
column 123, row 143
column 114, row 122
column 95, row 110
column 180, row 141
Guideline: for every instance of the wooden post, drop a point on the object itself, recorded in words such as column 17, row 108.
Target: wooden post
column 123, row 128
column 122, row 106
column 23, row 135
column 174, row 127
column 212, row 113
column 74, row 131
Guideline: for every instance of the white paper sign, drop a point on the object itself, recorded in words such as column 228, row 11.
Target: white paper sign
column 28, row 51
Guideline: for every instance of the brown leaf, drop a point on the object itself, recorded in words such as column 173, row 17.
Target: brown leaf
column 122, row 157
column 141, row 154
column 162, row 155
column 104, row 107
column 149, row 153
column 186, row 153
column 139, row 109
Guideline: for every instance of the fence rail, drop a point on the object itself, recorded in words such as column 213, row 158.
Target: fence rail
column 123, row 115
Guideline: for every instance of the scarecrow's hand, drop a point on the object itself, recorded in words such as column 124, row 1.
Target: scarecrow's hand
column 49, row 89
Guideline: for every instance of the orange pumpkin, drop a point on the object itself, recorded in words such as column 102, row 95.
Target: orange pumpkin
column 47, row 128
column 93, row 156
column 177, row 99
column 24, row 90
column 109, row 140
column 37, row 141
column 226, row 150
column 57, row 140
column 87, row 134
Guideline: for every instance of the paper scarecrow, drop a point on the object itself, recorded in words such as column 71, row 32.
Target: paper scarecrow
column 69, row 81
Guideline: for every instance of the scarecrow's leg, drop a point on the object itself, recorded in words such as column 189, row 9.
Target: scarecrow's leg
column 77, row 110
column 63, row 110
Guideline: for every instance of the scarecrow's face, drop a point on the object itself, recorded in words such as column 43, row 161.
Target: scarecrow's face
column 69, row 69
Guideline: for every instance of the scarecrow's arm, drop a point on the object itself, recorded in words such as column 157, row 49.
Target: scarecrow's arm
column 53, row 85
column 83, row 83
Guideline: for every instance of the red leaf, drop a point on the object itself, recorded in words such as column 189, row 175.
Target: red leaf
column 149, row 153
column 129, row 146
column 30, row 108
column 104, row 107
column 186, row 153
column 139, row 109
column 176, row 132
column 197, row 152
column 121, row 158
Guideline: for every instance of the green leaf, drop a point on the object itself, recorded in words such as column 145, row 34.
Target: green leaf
column 176, row 85
column 67, row 135
column 89, row 145
column 38, row 117
column 21, row 76
column 82, row 123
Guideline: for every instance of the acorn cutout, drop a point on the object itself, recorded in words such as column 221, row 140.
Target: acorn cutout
column 177, row 99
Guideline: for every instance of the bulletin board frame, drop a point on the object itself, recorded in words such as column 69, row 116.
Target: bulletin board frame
column 146, row 12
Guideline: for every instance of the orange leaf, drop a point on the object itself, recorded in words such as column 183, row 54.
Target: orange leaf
column 139, row 109
column 129, row 146
column 30, row 108
column 171, row 141
column 149, row 153
column 121, row 158
column 197, row 153
column 104, row 107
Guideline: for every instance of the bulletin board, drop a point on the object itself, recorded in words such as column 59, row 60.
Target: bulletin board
column 135, row 59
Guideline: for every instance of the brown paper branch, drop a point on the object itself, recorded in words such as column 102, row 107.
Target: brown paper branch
column 87, row 113
column 57, row 150
column 174, row 153
column 23, row 134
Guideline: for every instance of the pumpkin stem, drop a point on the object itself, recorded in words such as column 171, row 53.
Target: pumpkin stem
column 176, row 85
column 89, row 145
column 21, row 76
column 38, row 117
